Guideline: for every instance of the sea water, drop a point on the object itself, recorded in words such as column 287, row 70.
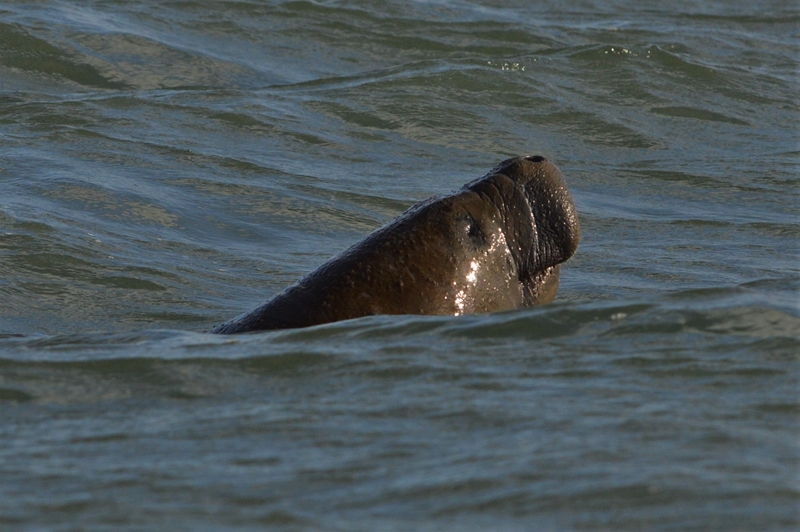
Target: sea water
column 165, row 166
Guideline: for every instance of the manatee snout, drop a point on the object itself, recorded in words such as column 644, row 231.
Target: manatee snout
column 496, row 244
column 557, row 231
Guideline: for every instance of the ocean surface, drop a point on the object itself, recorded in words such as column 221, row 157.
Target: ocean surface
column 167, row 165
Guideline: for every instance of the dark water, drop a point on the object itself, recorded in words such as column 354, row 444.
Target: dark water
column 167, row 165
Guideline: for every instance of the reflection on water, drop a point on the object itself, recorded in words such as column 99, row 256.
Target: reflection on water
column 113, row 207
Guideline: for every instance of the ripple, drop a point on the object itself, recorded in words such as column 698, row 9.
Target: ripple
column 698, row 114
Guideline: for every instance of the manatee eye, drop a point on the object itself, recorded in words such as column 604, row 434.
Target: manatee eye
column 475, row 231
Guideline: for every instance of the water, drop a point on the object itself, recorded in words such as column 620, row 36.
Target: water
column 165, row 166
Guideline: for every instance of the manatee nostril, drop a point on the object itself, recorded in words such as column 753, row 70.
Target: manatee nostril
column 535, row 158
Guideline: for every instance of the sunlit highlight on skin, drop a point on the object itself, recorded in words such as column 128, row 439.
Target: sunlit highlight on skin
column 461, row 297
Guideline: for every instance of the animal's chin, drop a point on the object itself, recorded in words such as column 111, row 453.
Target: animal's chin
column 541, row 287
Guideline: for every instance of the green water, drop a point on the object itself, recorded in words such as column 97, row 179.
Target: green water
column 166, row 166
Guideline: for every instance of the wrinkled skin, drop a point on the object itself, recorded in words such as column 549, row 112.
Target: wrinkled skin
column 494, row 245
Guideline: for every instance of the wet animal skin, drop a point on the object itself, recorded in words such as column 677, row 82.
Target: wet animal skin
column 495, row 244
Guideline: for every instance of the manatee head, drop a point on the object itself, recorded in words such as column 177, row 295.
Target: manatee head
column 539, row 218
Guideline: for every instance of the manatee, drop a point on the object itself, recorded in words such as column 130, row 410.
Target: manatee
column 496, row 244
